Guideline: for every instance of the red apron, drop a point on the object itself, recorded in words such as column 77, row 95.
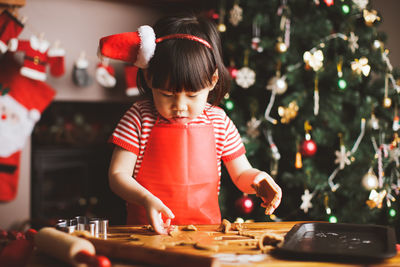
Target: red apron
column 180, row 168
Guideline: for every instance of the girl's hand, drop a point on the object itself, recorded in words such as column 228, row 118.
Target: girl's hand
column 268, row 191
column 155, row 208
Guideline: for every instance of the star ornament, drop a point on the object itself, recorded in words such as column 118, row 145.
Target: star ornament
column 314, row 60
column 342, row 157
column 306, row 198
column 361, row 66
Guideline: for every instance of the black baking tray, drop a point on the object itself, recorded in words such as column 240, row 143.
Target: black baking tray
column 338, row 242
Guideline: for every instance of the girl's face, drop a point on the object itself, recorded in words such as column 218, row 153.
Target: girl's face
column 184, row 106
column 180, row 107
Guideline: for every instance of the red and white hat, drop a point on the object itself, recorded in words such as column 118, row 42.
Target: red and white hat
column 135, row 47
column 138, row 47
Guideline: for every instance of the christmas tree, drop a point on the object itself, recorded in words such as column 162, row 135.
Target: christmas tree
column 315, row 98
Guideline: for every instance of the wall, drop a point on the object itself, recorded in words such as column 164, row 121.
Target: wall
column 78, row 24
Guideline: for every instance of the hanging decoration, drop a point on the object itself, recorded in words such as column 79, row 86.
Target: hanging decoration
column 288, row 113
column 244, row 204
column 245, row 76
column 236, row 14
column 276, row 156
column 80, row 75
column 353, row 42
column 370, row 17
column 10, row 27
column 130, row 80
column 314, row 59
column 387, row 102
column 308, row 147
column 369, row 180
column 306, row 200
column 105, row 73
column 252, row 127
column 342, row 156
column 329, row 2
column 361, row 66
column 255, row 41
column 361, row 4
column 375, row 199
column 374, row 122
column 221, row 24
column 277, row 84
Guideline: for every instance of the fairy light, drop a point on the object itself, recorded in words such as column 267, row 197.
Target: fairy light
column 333, row 219
column 392, row 212
column 229, row 105
column 345, row 9
column 342, row 84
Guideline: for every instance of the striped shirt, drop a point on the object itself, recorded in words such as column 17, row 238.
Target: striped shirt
column 133, row 131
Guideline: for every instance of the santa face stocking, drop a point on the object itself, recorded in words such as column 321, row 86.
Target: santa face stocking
column 105, row 75
column 80, row 75
column 10, row 27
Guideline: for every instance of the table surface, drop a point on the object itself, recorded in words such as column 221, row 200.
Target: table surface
column 235, row 248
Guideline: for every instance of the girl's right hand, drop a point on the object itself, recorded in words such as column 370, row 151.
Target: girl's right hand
column 155, row 208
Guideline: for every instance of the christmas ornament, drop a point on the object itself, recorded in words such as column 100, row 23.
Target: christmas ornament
column 394, row 155
column 288, row 113
column 20, row 109
column 329, row 2
column 361, row 4
column 377, row 44
column 374, row 122
column 298, row 164
column 308, row 147
column 306, row 201
column 38, row 55
column 395, row 124
column 314, row 59
column 342, row 156
column 370, row 17
column 235, row 15
column 361, row 66
column 80, row 75
column 245, row 77
column 277, row 84
column 10, row 27
column 105, row 74
column 233, row 71
column 387, row 102
column 369, row 180
column 130, row 80
column 244, row 204
column 221, row 25
column 316, row 96
column 252, row 127
column 353, row 39
column 280, row 46
column 375, row 199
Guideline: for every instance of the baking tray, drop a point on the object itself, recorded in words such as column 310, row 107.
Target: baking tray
column 339, row 242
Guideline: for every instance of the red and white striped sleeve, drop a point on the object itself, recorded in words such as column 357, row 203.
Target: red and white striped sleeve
column 233, row 146
column 127, row 132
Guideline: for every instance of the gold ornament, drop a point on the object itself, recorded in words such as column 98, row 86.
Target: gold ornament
column 288, row 113
column 277, row 84
column 387, row 102
column 361, row 66
column 369, row 180
column 375, row 199
column 221, row 27
column 314, row 60
column 370, row 17
column 280, row 46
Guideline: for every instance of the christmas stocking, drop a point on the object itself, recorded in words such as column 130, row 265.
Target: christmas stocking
column 105, row 75
column 80, row 74
column 130, row 79
column 10, row 27
column 21, row 103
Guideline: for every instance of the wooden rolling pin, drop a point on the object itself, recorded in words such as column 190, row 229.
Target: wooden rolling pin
column 68, row 248
column 138, row 254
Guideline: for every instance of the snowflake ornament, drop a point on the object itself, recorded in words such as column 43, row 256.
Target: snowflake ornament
column 245, row 77
column 342, row 157
column 394, row 155
column 235, row 15
column 314, row 60
column 353, row 39
column 306, row 198
column 252, row 127
column 361, row 4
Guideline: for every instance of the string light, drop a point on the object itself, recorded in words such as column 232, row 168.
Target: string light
column 229, row 105
column 333, row 219
column 345, row 9
column 342, row 84
column 392, row 212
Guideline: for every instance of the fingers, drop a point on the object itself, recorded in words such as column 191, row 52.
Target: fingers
column 167, row 212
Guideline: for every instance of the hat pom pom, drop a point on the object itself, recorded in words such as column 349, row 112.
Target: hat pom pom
column 147, row 46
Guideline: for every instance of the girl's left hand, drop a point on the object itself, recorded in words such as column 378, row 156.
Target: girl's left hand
column 268, row 191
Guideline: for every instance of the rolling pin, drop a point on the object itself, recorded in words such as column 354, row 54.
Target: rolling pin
column 68, row 248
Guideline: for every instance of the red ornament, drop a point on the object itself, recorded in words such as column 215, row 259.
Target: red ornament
column 244, row 204
column 308, row 148
column 233, row 72
column 329, row 2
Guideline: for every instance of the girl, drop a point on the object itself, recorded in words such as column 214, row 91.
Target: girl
column 172, row 143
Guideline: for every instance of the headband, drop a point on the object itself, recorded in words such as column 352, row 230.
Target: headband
column 138, row 47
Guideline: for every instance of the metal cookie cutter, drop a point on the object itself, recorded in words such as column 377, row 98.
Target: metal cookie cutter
column 97, row 227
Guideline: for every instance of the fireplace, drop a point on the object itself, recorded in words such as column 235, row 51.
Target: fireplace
column 70, row 159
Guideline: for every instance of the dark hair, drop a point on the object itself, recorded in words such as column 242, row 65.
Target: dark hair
column 181, row 64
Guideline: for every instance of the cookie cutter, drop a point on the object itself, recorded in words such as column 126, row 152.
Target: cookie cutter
column 97, row 227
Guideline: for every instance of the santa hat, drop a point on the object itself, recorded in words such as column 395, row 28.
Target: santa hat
column 130, row 80
column 135, row 47
column 138, row 47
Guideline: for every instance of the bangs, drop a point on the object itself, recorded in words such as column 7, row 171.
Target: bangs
column 181, row 65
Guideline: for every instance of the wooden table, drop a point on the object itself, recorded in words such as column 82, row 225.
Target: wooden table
column 138, row 246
